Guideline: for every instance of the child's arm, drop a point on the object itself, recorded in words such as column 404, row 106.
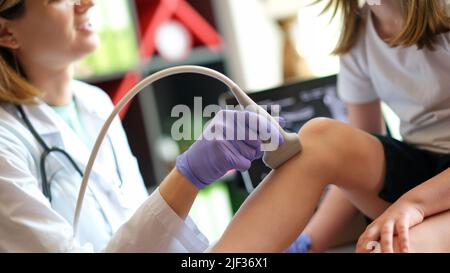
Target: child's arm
column 367, row 117
column 433, row 195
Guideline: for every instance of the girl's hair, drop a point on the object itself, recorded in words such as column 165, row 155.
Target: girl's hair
column 423, row 21
column 14, row 88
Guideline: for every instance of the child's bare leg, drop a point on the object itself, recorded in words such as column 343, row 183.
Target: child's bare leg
column 275, row 214
column 333, row 215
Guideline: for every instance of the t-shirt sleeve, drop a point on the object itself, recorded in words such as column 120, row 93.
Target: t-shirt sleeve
column 354, row 83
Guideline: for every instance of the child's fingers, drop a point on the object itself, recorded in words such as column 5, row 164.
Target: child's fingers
column 368, row 240
column 402, row 228
column 387, row 237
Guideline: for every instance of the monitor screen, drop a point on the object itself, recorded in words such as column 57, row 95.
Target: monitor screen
column 299, row 102
column 118, row 52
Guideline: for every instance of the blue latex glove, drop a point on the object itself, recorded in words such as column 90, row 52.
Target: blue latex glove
column 301, row 245
column 213, row 155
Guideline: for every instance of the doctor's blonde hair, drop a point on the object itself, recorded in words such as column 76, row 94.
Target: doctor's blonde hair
column 423, row 21
column 14, row 88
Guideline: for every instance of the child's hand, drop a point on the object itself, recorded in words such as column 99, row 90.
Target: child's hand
column 396, row 220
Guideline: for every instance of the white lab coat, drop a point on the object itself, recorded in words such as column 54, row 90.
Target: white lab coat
column 114, row 218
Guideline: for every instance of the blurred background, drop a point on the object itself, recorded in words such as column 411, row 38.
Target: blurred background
column 260, row 44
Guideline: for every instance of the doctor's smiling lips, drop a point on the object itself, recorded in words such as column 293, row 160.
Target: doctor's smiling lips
column 84, row 24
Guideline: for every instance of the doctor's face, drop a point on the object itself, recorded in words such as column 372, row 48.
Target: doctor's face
column 54, row 33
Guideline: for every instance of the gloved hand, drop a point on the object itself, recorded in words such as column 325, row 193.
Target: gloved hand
column 217, row 151
column 301, row 245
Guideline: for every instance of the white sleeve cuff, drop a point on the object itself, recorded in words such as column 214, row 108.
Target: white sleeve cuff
column 186, row 232
column 155, row 227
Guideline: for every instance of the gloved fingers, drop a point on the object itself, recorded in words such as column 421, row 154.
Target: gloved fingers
column 246, row 126
column 235, row 155
column 234, row 126
column 255, row 144
column 281, row 121
column 242, row 164
column 250, row 152
column 223, row 126
column 254, row 128
column 267, row 131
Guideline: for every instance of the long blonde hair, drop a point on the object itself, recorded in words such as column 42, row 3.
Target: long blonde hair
column 423, row 21
column 14, row 88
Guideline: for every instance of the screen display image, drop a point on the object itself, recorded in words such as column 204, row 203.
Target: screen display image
column 118, row 52
column 299, row 103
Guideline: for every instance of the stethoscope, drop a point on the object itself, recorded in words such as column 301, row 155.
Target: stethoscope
column 46, row 185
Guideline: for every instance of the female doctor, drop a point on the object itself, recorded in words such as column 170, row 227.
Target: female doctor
column 48, row 123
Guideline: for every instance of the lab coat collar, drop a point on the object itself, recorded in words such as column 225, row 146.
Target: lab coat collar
column 85, row 104
column 46, row 122
column 55, row 132
column 39, row 115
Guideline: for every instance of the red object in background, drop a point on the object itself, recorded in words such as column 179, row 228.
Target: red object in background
column 159, row 12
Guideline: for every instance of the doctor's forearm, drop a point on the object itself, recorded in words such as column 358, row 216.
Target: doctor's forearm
column 178, row 192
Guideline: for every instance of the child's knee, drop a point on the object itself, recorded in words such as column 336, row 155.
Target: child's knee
column 340, row 147
column 326, row 135
column 317, row 141
column 318, row 127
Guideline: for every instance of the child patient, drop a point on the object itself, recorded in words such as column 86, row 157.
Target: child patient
column 397, row 51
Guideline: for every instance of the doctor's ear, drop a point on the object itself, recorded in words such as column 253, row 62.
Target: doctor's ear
column 7, row 38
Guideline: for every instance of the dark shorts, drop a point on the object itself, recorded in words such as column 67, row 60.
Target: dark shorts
column 408, row 167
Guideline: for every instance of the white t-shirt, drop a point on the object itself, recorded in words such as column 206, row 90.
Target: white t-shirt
column 414, row 83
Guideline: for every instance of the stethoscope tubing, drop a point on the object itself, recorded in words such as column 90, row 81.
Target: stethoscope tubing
column 46, row 187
